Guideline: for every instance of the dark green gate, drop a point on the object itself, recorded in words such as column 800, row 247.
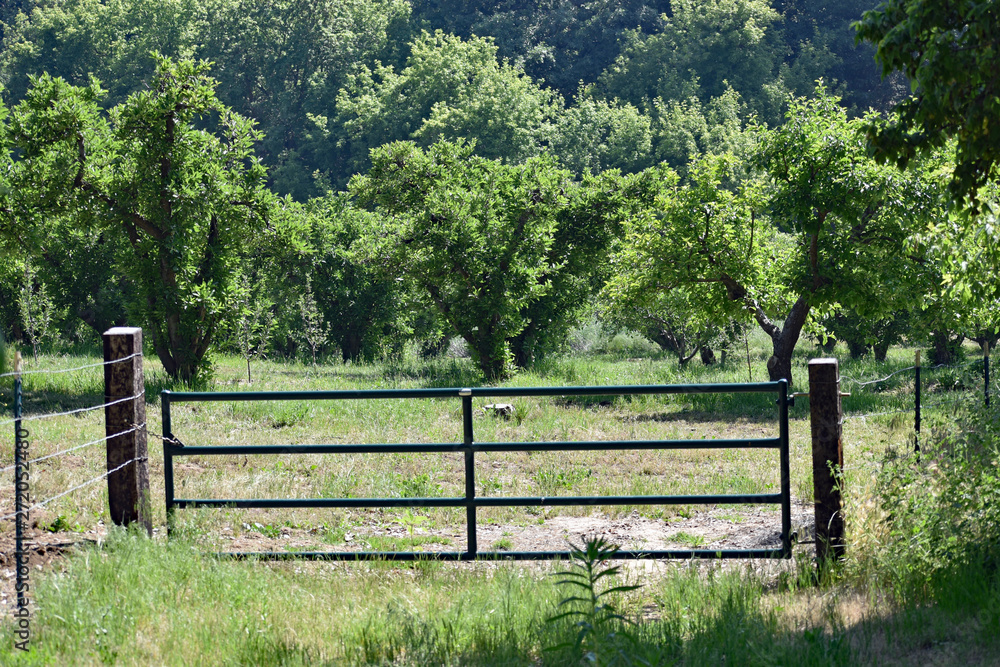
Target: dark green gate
column 172, row 448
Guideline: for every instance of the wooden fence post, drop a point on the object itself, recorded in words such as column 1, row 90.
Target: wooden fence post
column 125, row 426
column 827, row 456
column 916, row 403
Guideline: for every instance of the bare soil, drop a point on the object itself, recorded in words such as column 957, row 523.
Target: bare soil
column 717, row 528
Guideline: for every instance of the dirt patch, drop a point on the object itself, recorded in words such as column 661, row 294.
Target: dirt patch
column 719, row 528
column 43, row 550
column 716, row 528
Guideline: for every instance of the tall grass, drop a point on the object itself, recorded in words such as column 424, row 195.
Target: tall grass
column 132, row 600
column 919, row 585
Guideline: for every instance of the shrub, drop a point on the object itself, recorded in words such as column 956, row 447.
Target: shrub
column 943, row 510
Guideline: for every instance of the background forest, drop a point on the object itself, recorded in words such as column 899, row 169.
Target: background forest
column 310, row 178
column 276, row 186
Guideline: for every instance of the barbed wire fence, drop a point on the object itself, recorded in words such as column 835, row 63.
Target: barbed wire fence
column 121, row 428
column 916, row 390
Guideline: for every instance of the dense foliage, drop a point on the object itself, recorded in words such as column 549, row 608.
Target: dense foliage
column 177, row 201
column 948, row 51
column 185, row 166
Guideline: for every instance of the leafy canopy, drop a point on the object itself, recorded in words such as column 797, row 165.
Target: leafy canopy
column 171, row 172
column 950, row 53
column 474, row 234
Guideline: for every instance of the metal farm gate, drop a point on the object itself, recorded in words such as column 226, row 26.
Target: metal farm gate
column 172, row 449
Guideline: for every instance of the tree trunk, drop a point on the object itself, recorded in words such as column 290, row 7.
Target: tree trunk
column 660, row 336
column 881, row 348
column 493, row 365
column 944, row 348
column 857, row 348
column 783, row 339
column 351, row 344
column 522, row 344
column 987, row 337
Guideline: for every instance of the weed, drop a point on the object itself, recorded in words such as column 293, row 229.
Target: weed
column 601, row 634
column 693, row 541
column 551, row 480
column 267, row 530
column 61, row 524
column 418, row 486
column 399, row 543
column 503, row 544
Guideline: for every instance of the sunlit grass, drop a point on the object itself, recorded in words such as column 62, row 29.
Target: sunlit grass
column 135, row 601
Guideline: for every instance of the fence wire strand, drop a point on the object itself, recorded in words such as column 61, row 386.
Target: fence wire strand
column 73, row 449
column 75, row 488
column 868, row 382
column 71, row 412
column 950, row 401
column 865, row 383
column 70, row 370
column 877, row 414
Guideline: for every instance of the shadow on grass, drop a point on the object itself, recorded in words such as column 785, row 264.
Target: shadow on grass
column 38, row 403
column 697, row 417
column 694, row 407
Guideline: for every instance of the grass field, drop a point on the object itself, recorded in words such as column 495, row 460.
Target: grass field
column 127, row 599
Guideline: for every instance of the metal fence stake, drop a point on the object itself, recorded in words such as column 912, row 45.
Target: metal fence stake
column 986, row 374
column 20, row 489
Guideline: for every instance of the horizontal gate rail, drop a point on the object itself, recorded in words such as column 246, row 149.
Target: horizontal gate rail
column 173, row 448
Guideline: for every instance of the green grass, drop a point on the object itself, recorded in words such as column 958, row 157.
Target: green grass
column 133, row 600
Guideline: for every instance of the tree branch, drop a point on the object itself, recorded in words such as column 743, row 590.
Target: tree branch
column 769, row 327
column 131, row 216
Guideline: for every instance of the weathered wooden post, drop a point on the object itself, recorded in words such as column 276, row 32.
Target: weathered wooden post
column 827, row 456
column 916, row 399
column 125, row 426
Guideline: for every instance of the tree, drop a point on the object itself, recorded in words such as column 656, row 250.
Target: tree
column 183, row 197
column 851, row 217
column 280, row 62
column 592, row 136
column 449, row 89
column 474, row 234
column 576, row 261
column 868, row 334
column 672, row 318
column 111, row 39
column 37, row 309
column 687, row 129
column 251, row 321
column 837, row 222
column 559, row 42
column 948, row 51
column 365, row 311
column 822, row 43
column 283, row 62
column 704, row 49
column 684, row 260
column 312, row 329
